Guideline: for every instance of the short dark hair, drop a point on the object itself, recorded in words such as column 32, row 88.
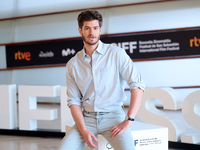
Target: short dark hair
column 89, row 15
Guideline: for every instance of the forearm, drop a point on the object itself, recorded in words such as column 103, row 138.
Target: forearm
column 77, row 115
column 136, row 97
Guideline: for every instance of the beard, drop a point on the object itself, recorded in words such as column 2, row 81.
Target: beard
column 91, row 43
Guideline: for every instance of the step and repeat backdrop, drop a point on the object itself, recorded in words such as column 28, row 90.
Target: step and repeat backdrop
column 164, row 44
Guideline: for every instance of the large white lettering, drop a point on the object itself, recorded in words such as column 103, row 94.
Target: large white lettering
column 191, row 114
column 66, row 117
column 8, row 108
column 150, row 114
column 28, row 111
column 191, row 109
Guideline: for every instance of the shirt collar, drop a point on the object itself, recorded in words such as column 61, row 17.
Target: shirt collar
column 99, row 50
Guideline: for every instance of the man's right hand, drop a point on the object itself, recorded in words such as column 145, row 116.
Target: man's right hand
column 77, row 114
column 88, row 136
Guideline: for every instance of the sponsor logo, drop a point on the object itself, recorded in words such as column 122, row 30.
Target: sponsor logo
column 46, row 54
column 127, row 45
column 136, row 142
column 23, row 56
column 68, row 52
column 147, row 142
column 195, row 42
column 158, row 46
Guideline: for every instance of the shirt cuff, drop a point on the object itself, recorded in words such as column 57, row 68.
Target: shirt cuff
column 135, row 86
column 70, row 102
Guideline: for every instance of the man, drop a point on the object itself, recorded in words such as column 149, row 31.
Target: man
column 96, row 78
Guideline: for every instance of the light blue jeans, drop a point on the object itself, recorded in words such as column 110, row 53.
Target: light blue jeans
column 99, row 123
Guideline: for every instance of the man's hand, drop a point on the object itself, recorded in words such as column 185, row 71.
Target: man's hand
column 88, row 136
column 77, row 114
column 118, row 129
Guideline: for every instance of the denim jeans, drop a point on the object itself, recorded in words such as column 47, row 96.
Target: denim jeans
column 99, row 123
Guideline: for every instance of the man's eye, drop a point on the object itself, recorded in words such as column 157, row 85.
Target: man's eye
column 96, row 28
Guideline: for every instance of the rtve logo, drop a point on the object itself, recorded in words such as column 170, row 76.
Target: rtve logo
column 23, row 56
column 194, row 42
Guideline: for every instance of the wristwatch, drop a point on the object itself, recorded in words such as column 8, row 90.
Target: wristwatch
column 129, row 118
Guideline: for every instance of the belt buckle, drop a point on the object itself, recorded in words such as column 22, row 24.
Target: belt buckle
column 90, row 112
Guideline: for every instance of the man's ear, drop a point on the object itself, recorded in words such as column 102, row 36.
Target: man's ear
column 100, row 30
column 80, row 31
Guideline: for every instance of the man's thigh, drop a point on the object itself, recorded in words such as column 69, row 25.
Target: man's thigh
column 73, row 140
column 124, row 141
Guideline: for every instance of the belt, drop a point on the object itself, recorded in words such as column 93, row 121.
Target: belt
column 95, row 113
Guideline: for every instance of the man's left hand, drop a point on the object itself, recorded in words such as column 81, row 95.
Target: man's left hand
column 118, row 129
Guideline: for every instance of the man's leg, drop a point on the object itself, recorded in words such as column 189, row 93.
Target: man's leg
column 72, row 141
column 90, row 123
column 124, row 141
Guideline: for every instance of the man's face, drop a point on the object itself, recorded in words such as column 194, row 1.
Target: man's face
column 90, row 32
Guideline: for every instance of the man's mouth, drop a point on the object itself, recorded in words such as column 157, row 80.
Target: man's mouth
column 91, row 37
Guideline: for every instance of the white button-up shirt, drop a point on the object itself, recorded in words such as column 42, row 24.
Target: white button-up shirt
column 100, row 87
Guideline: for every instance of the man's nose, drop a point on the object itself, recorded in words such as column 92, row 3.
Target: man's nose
column 91, row 31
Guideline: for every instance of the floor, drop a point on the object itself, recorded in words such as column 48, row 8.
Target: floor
column 30, row 143
column 8, row 142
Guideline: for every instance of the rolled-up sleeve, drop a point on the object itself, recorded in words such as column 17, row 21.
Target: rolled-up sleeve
column 73, row 92
column 129, row 72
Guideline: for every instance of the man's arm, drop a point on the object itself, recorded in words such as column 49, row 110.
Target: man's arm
column 136, row 97
column 77, row 115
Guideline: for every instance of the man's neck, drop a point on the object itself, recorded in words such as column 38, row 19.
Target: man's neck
column 89, row 49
